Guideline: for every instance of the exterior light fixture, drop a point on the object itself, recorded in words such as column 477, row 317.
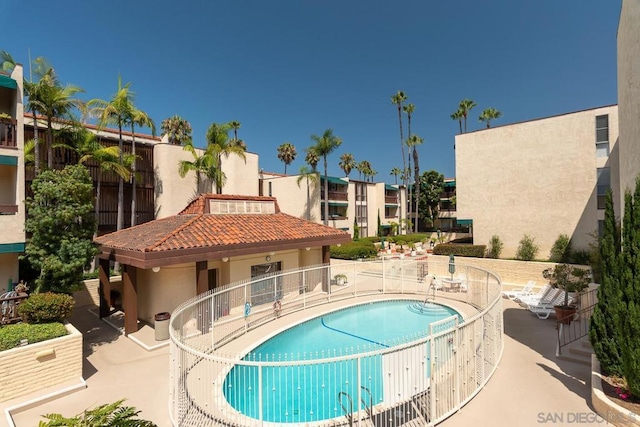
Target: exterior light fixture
column 268, row 258
column 155, row 269
column 225, row 259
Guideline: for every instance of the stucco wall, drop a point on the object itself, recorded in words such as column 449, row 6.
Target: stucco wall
column 537, row 178
column 292, row 199
column 629, row 93
column 165, row 290
column 242, row 178
column 34, row 367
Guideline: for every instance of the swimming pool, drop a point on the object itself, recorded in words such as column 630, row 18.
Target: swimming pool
column 323, row 381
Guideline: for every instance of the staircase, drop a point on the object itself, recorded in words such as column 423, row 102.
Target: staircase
column 578, row 351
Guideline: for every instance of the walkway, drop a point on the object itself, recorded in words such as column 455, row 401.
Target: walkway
column 529, row 388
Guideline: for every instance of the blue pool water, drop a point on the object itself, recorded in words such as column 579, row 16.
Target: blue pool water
column 319, row 390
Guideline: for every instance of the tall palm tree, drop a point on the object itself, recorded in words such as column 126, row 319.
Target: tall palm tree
column 235, row 125
column 465, row 106
column 115, row 112
column 409, row 109
column 202, row 164
column 310, row 175
column 325, row 145
column 139, row 118
column 311, row 157
column 177, row 129
column 218, row 138
column 458, row 116
column 489, row 114
column 347, row 163
column 414, row 141
column 287, row 153
column 395, row 172
column 398, row 99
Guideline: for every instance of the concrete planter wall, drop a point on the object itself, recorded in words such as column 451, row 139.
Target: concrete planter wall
column 610, row 411
column 34, row 367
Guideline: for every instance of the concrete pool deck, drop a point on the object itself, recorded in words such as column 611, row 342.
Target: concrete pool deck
column 530, row 387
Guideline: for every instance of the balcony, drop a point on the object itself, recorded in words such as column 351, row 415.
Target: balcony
column 8, row 133
column 8, row 209
column 336, row 195
column 391, row 200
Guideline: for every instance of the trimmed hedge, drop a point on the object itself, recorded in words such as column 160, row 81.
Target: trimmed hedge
column 11, row 335
column 46, row 307
column 476, row 251
column 354, row 250
column 410, row 238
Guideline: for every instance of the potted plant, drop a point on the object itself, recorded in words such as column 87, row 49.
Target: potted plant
column 569, row 279
column 341, row 279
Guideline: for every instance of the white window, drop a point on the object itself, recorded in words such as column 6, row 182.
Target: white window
column 602, row 136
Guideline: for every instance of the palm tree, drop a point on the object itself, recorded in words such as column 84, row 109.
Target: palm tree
column 325, row 145
column 347, row 163
column 218, row 138
column 235, row 125
column 395, row 172
column 398, row 99
column 465, row 106
column 287, row 153
column 308, row 175
column 202, row 164
column 140, row 118
column 414, row 141
column 7, row 63
column 312, row 158
column 177, row 129
column 409, row 109
column 458, row 116
column 489, row 114
column 107, row 415
column 116, row 112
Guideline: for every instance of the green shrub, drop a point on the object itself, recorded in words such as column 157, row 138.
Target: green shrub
column 107, row 415
column 46, row 307
column 476, row 251
column 11, row 335
column 409, row 239
column 527, row 249
column 561, row 249
column 495, row 247
column 354, row 250
column 580, row 257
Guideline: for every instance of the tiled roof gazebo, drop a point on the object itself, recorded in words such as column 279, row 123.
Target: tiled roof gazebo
column 211, row 227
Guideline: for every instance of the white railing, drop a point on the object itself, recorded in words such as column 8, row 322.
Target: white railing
column 217, row 380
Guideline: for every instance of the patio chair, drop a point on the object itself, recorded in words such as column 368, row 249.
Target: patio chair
column 543, row 310
column 464, row 282
column 545, row 293
column 520, row 292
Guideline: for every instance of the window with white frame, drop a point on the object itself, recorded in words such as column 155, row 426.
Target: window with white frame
column 602, row 135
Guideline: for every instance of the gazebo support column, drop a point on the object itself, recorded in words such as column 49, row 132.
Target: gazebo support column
column 326, row 259
column 130, row 299
column 104, row 289
column 202, row 277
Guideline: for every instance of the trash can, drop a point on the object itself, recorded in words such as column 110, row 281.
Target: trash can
column 162, row 326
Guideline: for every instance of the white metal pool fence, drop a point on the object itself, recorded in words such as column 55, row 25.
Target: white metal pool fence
column 216, row 379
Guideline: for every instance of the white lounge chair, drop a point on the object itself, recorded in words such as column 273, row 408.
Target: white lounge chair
column 545, row 294
column 464, row 282
column 520, row 292
column 545, row 309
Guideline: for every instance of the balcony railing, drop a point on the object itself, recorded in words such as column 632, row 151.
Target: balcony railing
column 8, row 133
column 336, row 195
column 8, row 209
column 391, row 199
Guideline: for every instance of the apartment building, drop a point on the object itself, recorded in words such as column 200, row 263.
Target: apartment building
column 542, row 178
column 12, row 189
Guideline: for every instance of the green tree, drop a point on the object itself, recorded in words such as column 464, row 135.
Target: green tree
column 61, row 223
column 311, row 157
column 108, row 415
column 347, row 163
column 287, row 154
column 495, row 247
column 527, row 248
column 396, row 172
column 604, row 327
column 489, row 114
column 431, row 187
column 458, row 116
column 137, row 118
column 561, row 249
column 202, row 164
column 311, row 176
column 629, row 318
column 465, row 107
column 221, row 145
column 325, row 144
column 398, row 99
column 235, row 125
column 115, row 112
column 177, row 129
column 7, row 63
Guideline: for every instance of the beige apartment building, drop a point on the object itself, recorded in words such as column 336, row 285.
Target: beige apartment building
column 12, row 194
column 351, row 202
column 543, row 178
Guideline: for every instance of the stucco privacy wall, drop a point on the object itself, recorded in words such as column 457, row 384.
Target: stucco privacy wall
column 173, row 193
column 536, row 178
column 292, row 198
column 34, row 367
column 512, row 273
column 629, row 93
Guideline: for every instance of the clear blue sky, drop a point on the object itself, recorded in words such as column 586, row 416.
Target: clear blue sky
column 287, row 69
